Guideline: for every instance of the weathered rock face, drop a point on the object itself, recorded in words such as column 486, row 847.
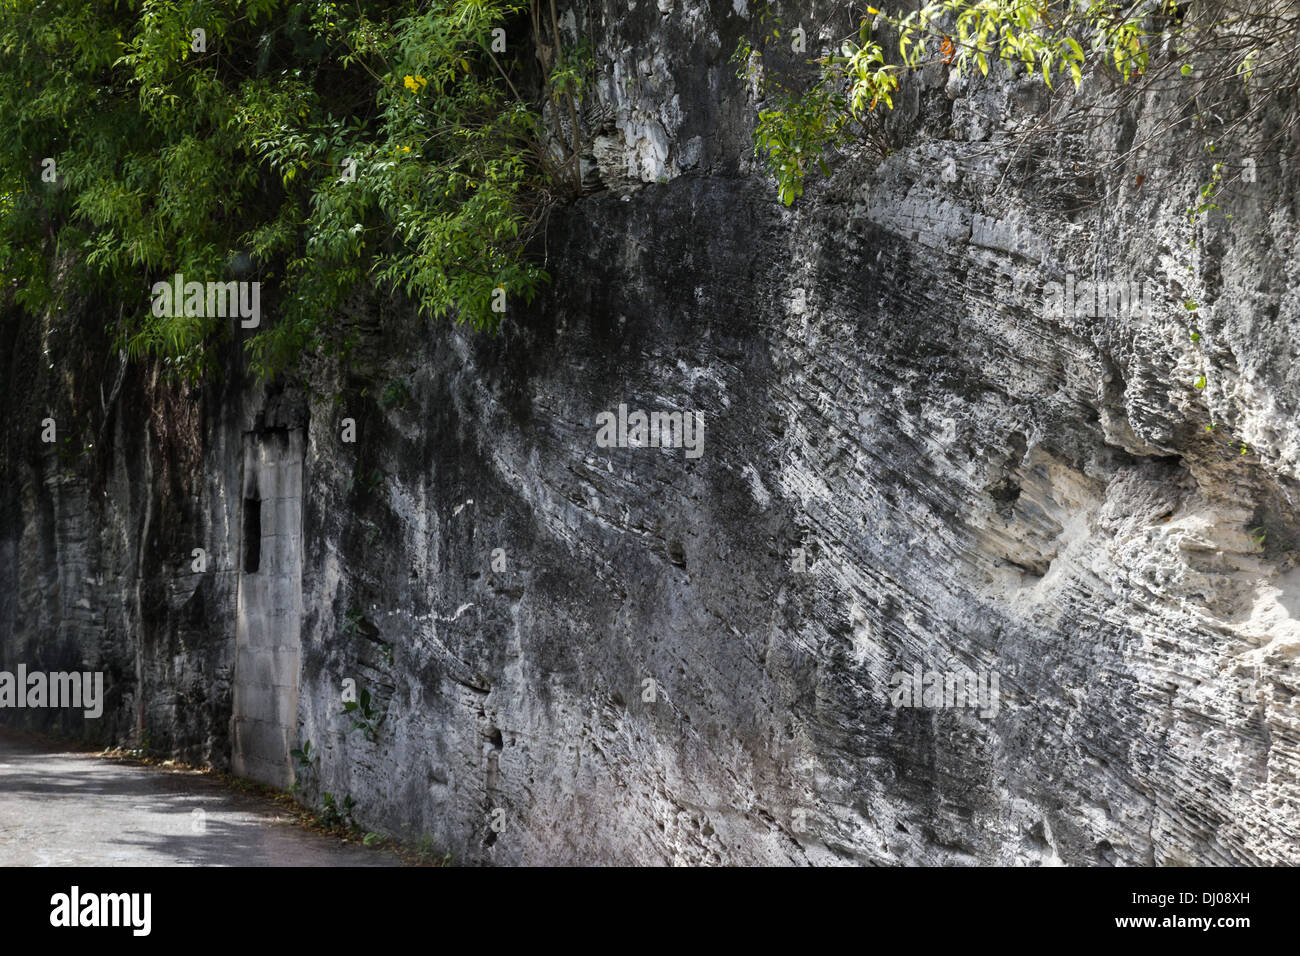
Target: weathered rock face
column 911, row 461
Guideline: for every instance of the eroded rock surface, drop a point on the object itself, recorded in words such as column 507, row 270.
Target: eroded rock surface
column 968, row 478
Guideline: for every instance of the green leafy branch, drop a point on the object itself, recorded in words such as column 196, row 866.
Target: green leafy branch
column 842, row 97
column 363, row 716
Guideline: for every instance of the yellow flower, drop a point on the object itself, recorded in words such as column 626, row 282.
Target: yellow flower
column 415, row 83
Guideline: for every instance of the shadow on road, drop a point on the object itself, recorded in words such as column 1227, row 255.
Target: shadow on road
column 62, row 808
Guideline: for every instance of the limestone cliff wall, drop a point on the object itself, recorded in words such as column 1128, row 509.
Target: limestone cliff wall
column 910, row 459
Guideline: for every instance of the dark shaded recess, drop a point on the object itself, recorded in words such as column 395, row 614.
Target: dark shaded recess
column 252, row 535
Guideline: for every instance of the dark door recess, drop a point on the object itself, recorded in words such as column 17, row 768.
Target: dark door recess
column 252, row 534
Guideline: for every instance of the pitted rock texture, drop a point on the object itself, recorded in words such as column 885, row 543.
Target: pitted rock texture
column 910, row 459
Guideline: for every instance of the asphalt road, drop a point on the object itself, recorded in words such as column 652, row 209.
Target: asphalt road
column 60, row 808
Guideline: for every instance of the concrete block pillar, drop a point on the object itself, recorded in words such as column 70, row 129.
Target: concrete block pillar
column 268, row 630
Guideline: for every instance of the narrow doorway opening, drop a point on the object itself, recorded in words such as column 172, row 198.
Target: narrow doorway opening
column 252, row 534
